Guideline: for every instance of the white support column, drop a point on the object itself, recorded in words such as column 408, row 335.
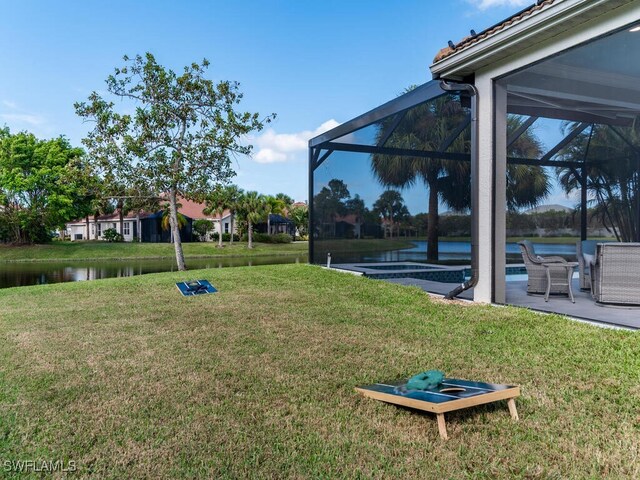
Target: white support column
column 500, row 194
column 482, row 291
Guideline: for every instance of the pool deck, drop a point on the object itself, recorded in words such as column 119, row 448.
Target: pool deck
column 585, row 307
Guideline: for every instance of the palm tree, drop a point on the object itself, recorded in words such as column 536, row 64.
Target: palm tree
column 286, row 200
column 99, row 206
column 217, row 202
column 234, row 194
column 300, row 217
column 390, row 205
column 253, row 208
column 273, row 205
column 357, row 207
column 425, row 127
column 613, row 175
column 165, row 223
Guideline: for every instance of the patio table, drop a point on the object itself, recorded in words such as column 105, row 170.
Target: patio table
column 569, row 267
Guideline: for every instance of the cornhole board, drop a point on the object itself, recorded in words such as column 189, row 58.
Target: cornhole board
column 453, row 394
column 195, row 287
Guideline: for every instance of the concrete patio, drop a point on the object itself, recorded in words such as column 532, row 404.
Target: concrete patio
column 584, row 308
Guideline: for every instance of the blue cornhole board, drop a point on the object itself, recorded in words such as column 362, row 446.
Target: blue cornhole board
column 195, row 287
column 453, row 394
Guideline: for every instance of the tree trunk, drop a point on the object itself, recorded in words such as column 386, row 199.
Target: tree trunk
column 95, row 222
column 175, row 230
column 231, row 227
column 220, row 235
column 121, row 215
column 432, row 225
column 88, row 229
column 250, row 233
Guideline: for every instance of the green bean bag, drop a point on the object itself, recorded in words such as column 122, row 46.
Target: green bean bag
column 425, row 380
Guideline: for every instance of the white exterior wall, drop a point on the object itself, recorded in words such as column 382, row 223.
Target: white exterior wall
column 224, row 227
column 77, row 229
column 492, row 140
column 74, row 229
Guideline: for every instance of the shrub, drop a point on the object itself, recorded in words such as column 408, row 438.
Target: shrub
column 264, row 238
column 112, row 235
column 200, row 229
column 226, row 237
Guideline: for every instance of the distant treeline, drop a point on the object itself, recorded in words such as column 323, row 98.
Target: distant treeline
column 551, row 223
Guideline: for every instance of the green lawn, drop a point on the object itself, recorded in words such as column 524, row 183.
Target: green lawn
column 117, row 251
column 129, row 380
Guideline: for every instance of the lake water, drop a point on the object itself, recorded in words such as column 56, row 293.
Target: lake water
column 37, row 273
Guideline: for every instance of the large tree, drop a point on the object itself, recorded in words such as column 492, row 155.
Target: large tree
column 179, row 139
column 43, row 184
column 330, row 203
column 357, row 207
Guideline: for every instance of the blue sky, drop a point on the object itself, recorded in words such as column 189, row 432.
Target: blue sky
column 315, row 64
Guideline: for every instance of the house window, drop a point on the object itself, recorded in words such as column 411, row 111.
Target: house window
column 99, row 229
column 126, row 230
column 226, row 227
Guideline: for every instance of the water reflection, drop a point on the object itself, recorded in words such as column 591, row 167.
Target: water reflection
column 39, row 273
column 450, row 252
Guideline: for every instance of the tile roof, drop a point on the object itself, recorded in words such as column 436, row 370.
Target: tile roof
column 115, row 217
column 195, row 210
column 472, row 40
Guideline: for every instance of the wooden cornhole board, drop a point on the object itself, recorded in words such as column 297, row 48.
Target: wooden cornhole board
column 453, row 394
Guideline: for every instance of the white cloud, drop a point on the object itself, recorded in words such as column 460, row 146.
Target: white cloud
column 487, row 4
column 268, row 155
column 272, row 147
column 33, row 120
column 20, row 116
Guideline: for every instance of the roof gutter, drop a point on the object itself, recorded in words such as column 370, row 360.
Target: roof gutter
column 548, row 22
column 475, row 184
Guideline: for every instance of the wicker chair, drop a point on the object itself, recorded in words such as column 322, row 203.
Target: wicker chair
column 585, row 248
column 546, row 275
column 615, row 275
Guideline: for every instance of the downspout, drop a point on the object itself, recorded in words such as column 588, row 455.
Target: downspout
column 475, row 186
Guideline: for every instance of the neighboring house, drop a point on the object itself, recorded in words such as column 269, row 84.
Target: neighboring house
column 86, row 230
column 573, row 62
column 195, row 211
column 144, row 227
column 151, row 229
column 277, row 224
